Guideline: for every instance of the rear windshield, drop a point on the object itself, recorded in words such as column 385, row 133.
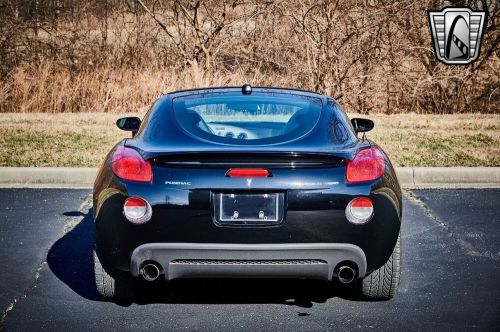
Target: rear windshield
column 247, row 119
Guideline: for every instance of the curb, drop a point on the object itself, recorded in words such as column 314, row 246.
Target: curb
column 409, row 177
column 47, row 177
column 465, row 176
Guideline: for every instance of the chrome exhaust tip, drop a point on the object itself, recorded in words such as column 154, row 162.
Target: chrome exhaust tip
column 346, row 274
column 150, row 272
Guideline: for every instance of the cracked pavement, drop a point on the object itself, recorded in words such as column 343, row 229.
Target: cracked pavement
column 451, row 253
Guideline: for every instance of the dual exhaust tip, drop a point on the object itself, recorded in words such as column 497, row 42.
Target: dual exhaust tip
column 345, row 273
column 150, row 271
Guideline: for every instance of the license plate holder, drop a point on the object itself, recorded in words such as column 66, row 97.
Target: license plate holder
column 248, row 209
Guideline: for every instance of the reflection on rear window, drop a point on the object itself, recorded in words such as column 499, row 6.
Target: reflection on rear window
column 244, row 119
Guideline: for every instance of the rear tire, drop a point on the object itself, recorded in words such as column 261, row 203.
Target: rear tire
column 114, row 286
column 383, row 283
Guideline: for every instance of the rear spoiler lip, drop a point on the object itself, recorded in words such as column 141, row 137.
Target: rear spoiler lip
column 340, row 154
column 346, row 153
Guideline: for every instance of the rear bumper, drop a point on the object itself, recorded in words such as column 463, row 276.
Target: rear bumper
column 312, row 217
column 190, row 260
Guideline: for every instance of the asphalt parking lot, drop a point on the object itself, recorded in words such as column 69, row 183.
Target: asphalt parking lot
column 450, row 277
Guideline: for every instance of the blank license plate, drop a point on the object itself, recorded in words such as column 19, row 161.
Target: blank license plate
column 261, row 208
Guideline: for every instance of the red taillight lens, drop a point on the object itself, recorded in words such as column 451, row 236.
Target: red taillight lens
column 135, row 202
column 361, row 202
column 367, row 165
column 248, row 173
column 128, row 164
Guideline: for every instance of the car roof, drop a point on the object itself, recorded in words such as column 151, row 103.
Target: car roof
column 168, row 136
column 261, row 89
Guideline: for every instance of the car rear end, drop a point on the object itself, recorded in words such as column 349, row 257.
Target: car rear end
column 313, row 202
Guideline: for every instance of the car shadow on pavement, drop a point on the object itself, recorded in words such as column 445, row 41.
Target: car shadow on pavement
column 293, row 292
column 70, row 259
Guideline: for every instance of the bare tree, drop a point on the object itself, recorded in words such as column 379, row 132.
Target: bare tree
column 195, row 27
column 371, row 55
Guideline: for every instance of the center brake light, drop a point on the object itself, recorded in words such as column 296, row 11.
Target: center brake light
column 248, row 173
column 367, row 165
column 129, row 165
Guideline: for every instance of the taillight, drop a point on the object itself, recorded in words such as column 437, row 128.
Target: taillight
column 137, row 210
column 248, row 173
column 128, row 164
column 367, row 165
column 359, row 211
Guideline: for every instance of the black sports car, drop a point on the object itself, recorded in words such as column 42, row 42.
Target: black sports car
column 247, row 182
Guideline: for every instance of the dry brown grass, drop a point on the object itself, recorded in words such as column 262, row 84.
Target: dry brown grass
column 112, row 56
column 439, row 140
column 410, row 140
column 45, row 89
column 57, row 139
column 373, row 57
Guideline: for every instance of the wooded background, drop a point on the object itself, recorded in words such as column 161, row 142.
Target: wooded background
column 373, row 56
